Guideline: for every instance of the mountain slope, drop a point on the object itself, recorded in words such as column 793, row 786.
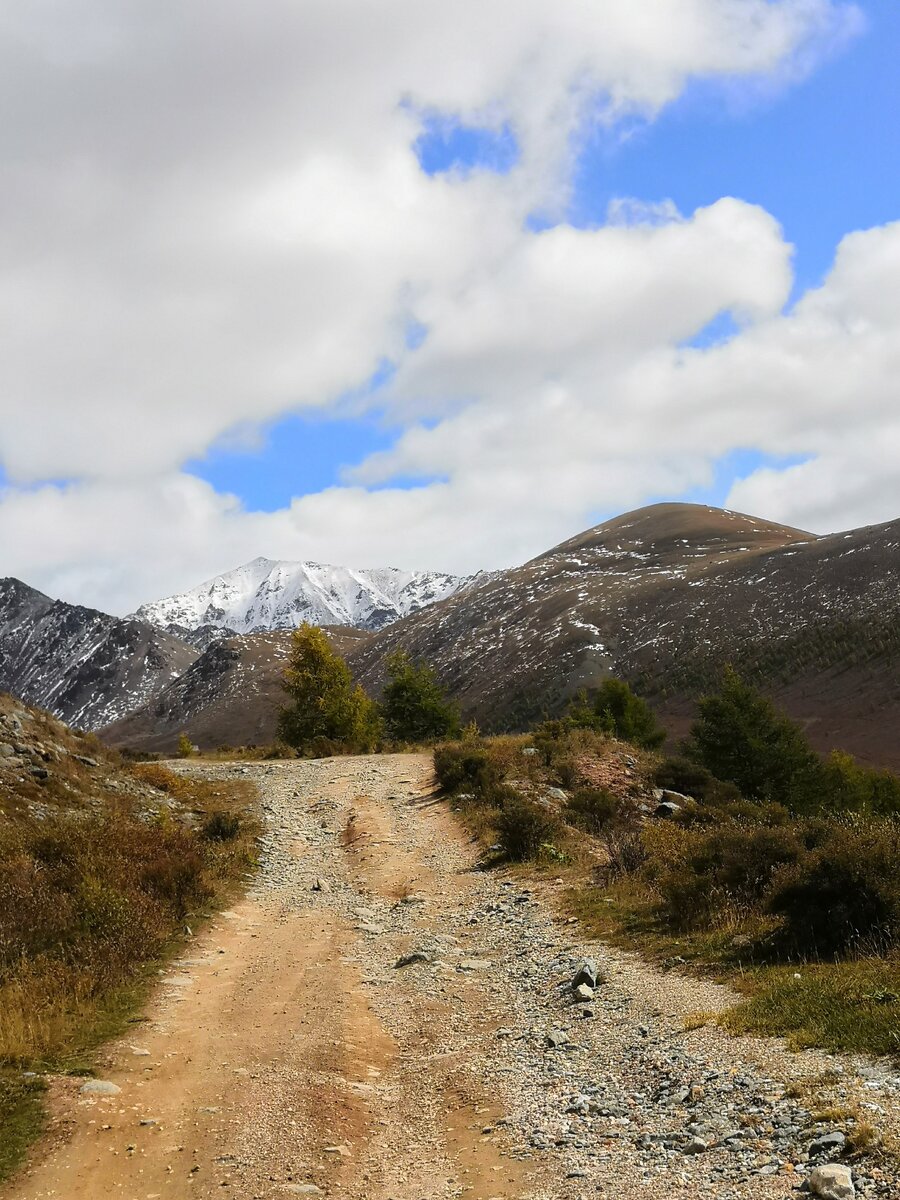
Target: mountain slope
column 664, row 597
column 229, row 696
column 264, row 595
column 85, row 667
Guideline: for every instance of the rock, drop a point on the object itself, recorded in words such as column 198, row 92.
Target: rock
column 529, row 751
column 556, row 794
column 696, row 1146
column 6, row 750
column 588, row 974
column 408, row 960
column 40, row 772
column 302, row 1189
column 321, row 885
column 828, row 1144
column 832, row 1182
column 99, row 1087
column 583, row 994
column 667, row 809
column 557, row 1038
column 475, row 964
column 88, row 762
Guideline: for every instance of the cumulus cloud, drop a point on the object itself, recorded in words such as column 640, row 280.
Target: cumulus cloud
column 212, row 215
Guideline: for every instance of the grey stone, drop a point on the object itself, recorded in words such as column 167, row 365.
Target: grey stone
column 667, row 809
column 415, row 956
column 583, row 994
column 832, row 1182
column 557, row 1038
column 556, row 794
column 589, row 974
column 321, row 885
column 696, row 1146
column 6, row 750
column 99, row 1087
column 829, row 1143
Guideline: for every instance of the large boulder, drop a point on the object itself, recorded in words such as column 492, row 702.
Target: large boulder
column 832, row 1182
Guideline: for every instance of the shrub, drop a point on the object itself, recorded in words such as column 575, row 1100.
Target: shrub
column 525, row 829
column 851, row 787
column 414, row 707
column 613, row 708
column 845, row 894
column 724, row 871
column 221, row 827
column 185, row 746
column 691, row 778
column 591, row 809
column 463, row 767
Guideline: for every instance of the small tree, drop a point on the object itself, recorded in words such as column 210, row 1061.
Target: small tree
column 185, row 746
column 613, row 708
column 414, row 707
column 324, row 705
column 741, row 737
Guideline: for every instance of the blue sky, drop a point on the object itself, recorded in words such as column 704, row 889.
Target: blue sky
column 821, row 154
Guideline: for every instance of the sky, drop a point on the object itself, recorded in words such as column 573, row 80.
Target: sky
column 436, row 286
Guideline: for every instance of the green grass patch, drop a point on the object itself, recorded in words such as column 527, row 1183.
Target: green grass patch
column 21, row 1119
column 843, row 1006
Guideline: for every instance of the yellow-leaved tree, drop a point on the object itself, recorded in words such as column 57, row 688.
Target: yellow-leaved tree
column 326, row 711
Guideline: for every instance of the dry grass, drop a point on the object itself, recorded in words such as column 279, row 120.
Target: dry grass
column 94, row 894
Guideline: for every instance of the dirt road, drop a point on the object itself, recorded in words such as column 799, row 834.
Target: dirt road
column 289, row 1054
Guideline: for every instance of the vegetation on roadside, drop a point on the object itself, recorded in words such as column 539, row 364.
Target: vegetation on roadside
column 773, row 867
column 97, row 887
column 326, row 713
column 414, row 707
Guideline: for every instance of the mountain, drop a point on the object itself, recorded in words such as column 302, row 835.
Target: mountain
column 264, row 595
column 664, row 597
column 229, row 696
column 84, row 666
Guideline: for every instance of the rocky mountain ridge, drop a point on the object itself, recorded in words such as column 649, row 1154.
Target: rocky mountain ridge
column 84, row 666
column 264, row 595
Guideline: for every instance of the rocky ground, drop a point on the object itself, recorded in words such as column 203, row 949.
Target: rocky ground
column 380, row 1019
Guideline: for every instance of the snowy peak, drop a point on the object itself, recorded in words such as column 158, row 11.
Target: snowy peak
column 264, row 594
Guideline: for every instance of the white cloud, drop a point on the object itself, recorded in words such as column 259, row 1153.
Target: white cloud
column 211, row 215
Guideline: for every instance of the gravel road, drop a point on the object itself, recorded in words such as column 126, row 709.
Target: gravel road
column 380, row 1020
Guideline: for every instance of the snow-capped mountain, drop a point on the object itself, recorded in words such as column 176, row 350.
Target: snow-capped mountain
column 264, row 595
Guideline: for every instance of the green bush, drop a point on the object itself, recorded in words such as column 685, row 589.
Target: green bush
column 726, row 870
column 526, row 829
column 221, row 827
column 414, row 707
column 591, row 809
column 845, row 894
column 613, row 708
column 461, row 767
column 691, row 778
